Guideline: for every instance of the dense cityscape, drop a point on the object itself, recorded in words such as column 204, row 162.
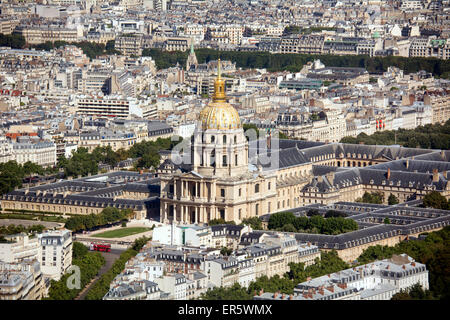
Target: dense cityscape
column 253, row 150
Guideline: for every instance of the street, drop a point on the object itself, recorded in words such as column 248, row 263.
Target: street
column 110, row 258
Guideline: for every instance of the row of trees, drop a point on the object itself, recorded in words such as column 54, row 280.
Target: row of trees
column 272, row 62
column 288, row 222
column 12, row 174
column 215, row 222
column 101, row 287
column 416, row 292
column 90, row 49
column 329, row 263
column 433, row 251
column 377, row 198
column 89, row 264
column 14, row 41
column 84, row 162
column 430, row 136
column 107, row 216
column 294, row 62
column 433, row 199
column 14, row 229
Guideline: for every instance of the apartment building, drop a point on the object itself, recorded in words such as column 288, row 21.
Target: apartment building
column 174, row 285
column 21, row 280
column 56, row 252
column 129, row 44
column 378, row 280
column 41, row 34
column 305, row 44
column 6, row 150
column 177, row 44
column 222, row 271
column 42, row 153
column 19, row 247
column 440, row 106
column 108, row 106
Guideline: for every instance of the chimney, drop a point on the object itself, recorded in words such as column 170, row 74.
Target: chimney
column 342, row 285
column 283, row 296
column 319, row 179
column 291, row 296
column 407, row 163
column 269, row 140
column 413, row 264
column 330, row 288
column 388, row 175
column 308, row 279
column 435, row 175
column 443, row 154
column 403, row 267
column 275, row 295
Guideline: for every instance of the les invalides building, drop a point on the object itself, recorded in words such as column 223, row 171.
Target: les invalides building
column 218, row 182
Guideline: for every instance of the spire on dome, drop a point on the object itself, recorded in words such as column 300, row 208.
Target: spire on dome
column 219, row 86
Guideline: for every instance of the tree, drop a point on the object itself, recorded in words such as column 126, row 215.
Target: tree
column 235, row 292
column 415, row 292
column 226, row 251
column 392, row 200
column 254, row 222
column 387, row 221
column 435, row 200
column 288, row 228
column 278, row 220
column 79, row 250
column 433, row 251
column 375, row 197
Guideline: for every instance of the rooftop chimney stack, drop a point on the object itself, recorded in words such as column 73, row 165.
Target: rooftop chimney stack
column 388, row 176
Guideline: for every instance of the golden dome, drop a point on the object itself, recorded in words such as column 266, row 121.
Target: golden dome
column 219, row 114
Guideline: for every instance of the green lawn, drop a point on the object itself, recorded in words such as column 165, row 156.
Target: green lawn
column 120, row 233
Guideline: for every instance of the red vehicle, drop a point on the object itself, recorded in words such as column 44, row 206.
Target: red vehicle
column 102, row 247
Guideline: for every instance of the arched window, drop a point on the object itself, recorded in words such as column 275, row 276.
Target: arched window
column 224, row 139
column 235, row 159
column 213, row 138
column 224, row 161
column 235, row 139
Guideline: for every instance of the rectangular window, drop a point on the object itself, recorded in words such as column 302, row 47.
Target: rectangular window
column 222, row 192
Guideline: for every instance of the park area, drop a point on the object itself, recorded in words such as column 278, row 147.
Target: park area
column 123, row 232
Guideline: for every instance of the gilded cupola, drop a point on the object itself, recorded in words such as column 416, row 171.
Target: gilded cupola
column 219, row 114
